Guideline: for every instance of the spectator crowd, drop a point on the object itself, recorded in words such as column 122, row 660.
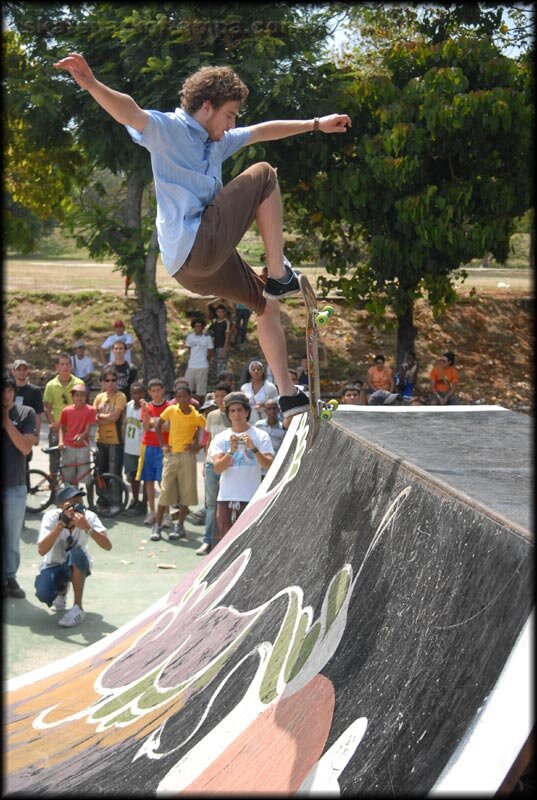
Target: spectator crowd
column 151, row 435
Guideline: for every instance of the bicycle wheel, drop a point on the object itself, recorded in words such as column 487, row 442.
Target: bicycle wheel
column 111, row 495
column 40, row 491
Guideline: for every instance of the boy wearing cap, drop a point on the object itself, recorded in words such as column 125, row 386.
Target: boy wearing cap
column 18, row 438
column 118, row 336
column 74, row 434
column 27, row 394
column 63, row 542
column 239, row 454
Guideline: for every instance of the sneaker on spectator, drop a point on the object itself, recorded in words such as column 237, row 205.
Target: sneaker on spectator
column 74, row 616
column 167, row 521
column 156, row 533
column 14, row 590
column 59, row 602
column 204, row 549
column 287, row 287
column 178, row 532
column 291, row 404
column 150, row 519
column 133, row 503
column 135, row 509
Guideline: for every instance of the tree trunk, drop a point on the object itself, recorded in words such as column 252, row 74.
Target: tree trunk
column 406, row 335
column 149, row 320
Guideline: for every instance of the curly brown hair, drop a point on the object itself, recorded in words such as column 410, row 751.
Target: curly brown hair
column 216, row 84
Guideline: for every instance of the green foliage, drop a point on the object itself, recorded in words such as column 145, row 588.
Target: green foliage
column 267, row 43
column 433, row 173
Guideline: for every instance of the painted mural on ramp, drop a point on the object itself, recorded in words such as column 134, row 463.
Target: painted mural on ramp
column 348, row 635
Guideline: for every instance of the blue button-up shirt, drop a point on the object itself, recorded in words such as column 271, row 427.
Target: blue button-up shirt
column 187, row 170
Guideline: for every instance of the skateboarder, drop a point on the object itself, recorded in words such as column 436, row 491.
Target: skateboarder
column 200, row 222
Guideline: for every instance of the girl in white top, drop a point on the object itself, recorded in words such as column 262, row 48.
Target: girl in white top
column 258, row 391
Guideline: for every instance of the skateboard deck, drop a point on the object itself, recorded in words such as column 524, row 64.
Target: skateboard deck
column 318, row 408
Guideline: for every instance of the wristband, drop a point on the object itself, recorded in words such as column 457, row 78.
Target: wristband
column 316, row 124
column 255, row 450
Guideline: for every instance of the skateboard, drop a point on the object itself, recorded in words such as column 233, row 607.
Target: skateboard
column 319, row 410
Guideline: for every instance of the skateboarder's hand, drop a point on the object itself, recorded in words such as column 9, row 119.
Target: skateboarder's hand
column 78, row 67
column 335, row 123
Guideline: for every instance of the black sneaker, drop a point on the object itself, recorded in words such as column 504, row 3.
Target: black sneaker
column 14, row 590
column 277, row 290
column 291, row 404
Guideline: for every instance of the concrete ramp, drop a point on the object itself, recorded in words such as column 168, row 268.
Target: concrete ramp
column 364, row 628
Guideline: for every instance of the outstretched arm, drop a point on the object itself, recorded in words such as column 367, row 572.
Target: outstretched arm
column 120, row 106
column 281, row 129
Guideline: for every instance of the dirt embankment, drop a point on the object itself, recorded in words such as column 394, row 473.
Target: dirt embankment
column 492, row 336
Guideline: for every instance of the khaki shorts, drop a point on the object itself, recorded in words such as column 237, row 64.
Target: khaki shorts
column 179, row 480
column 214, row 267
column 197, row 379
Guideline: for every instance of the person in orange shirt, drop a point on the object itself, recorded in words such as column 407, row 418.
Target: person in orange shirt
column 444, row 381
column 380, row 376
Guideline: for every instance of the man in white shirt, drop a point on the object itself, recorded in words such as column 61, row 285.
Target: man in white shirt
column 201, row 348
column 239, row 454
column 83, row 366
column 63, row 543
column 118, row 336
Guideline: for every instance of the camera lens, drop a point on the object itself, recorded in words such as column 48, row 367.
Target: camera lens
column 79, row 508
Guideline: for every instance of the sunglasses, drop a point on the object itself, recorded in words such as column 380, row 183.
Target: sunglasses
column 110, row 380
column 65, row 400
column 80, row 394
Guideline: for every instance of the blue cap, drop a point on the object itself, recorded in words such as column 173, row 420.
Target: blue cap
column 67, row 492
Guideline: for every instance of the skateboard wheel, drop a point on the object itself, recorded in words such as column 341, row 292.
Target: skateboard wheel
column 322, row 318
column 328, row 310
column 333, row 405
column 326, row 414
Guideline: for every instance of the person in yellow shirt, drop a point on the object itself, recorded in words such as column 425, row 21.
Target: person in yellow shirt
column 179, row 474
column 109, row 409
column 444, row 381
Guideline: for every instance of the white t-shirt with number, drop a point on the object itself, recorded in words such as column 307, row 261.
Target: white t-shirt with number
column 134, row 429
column 240, row 481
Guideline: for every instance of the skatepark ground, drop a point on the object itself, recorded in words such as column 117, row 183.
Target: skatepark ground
column 365, row 627
column 125, row 581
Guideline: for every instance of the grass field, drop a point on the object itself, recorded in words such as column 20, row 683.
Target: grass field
column 60, row 265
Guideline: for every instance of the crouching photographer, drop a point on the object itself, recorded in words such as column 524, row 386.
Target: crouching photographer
column 63, row 542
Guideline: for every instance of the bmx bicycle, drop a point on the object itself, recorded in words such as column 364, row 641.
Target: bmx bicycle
column 107, row 494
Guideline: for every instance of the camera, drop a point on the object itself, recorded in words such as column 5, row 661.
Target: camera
column 79, row 508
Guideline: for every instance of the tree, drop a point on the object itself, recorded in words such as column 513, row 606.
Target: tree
column 147, row 51
column 39, row 174
column 434, row 174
